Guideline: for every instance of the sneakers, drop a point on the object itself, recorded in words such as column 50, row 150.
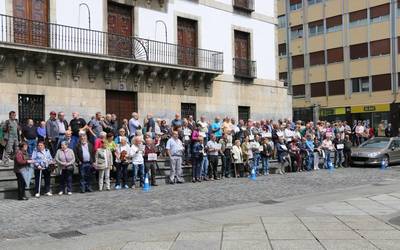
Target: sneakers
column 133, row 186
column 126, row 187
column 48, row 194
column 37, row 195
column 69, row 193
column 117, row 187
column 61, row 193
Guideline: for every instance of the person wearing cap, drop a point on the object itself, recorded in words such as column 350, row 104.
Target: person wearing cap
column 52, row 132
column 65, row 159
column 84, row 156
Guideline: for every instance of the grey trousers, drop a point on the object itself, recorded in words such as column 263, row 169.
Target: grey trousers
column 176, row 169
column 11, row 147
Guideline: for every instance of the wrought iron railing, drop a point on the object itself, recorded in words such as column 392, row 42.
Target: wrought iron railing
column 247, row 5
column 244, row 68
column 26, row 32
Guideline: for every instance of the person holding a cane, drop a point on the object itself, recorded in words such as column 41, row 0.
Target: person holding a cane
column 42, row 160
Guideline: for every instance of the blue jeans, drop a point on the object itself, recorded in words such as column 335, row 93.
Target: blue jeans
column 31, row 146
column 310, row 160
column 328, row 161
column 256, row 161
column 204, row 166
column 339, row 158
column 265, row 163
column 137, row 170
column 74, row 141
column 85, row 172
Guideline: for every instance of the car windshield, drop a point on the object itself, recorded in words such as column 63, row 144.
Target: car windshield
column 376, row 143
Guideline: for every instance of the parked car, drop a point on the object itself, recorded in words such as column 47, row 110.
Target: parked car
column 376, row 150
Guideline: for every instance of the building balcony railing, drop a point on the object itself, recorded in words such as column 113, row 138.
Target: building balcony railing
column 244, row 5
column 244, row 68
column 56, row 37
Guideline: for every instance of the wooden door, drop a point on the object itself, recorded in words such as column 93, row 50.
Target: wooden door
column 187, row 41
column 121, row 103
column 120, row 30
column 31, row 22
column 242, row 53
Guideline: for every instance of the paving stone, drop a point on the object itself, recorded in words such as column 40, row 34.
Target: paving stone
column 380, row 235
column 296, row 245
column 245, row 244
column 154, row 245
column 244, row 236
column 336, row 235
column 199, row 236
column 244, row 228
column 196, row 245
column 280, row 220
column 387, row 244
column 327, row 226
column 347, row 245
column 289, row 234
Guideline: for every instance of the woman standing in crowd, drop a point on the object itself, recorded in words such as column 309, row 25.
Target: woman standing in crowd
column 122, row 155
column 21, row 161
column 42, row 160
column 103, row 163
column 65, row 159
column 237, row 156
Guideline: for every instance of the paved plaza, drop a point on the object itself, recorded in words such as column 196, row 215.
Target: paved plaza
column 345, row 209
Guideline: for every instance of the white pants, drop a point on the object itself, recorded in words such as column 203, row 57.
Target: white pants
column 104, row 176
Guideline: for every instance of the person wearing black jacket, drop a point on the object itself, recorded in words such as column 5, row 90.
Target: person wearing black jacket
column 389, row 131
column 347, row 151
column 84, row 155
column 338, row 143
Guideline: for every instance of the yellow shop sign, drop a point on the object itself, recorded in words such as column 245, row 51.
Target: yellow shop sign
column 371, row 108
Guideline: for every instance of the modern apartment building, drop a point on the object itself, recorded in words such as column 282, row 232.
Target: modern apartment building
column 212, row 57
column 341, row 58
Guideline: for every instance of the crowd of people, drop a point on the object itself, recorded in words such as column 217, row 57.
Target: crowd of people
column 128, row 152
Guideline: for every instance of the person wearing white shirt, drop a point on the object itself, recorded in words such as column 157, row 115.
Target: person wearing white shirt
column 359, row 133
column 136, row 153
column 123, row 160
column 175, row 151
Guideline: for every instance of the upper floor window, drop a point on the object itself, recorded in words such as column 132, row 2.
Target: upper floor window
column 380, row 13
column 334, row 24
column 311, row 2
column 297, row 61
column 381, row 82
column 316, row 28
column 380, row 47
column 358, row 51
column 299, row 90
column 318, row 89
column 296, row 4
column 336, row 87
column 282, row 49
column 358, row 18
column 335, row 55
column 360, row 84
column 283, row 76
column 297, row 32
column 282, row 21
column 317, row 58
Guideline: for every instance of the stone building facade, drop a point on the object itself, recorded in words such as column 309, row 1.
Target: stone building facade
column 83, row 67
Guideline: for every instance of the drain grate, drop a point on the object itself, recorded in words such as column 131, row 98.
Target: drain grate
column 66, row 234
column 395, row 221
column 269, row 202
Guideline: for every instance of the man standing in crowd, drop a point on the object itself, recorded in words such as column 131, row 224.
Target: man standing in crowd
column 29, row 133
column 84, row 155
column 52, row 133
column 75, row 125
column 134, row 125
column 214, row 149
column 114, row 123
column 62, row 128
column 11, row 136
column 175, row 150
column 176, row 124
column 151, row 125
column 389, row 131
column 95, row 127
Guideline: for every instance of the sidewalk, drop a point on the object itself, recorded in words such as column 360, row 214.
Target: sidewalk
column 351, row 218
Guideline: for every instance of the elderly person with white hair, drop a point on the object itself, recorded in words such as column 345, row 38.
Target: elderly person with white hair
column 122, row 155
column 134, row 125
column 65, row 159
column 99, row 140
column 136, row 153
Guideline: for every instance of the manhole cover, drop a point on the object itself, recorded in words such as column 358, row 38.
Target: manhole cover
column 67, row 234
column 395, row 221
column 269, row 202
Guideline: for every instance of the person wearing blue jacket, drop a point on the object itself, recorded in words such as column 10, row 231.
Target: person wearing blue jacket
column 42, row 160
column 310, row 152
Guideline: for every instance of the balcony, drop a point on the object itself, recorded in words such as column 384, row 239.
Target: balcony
column 24, row 34
column 244, row 5
column 244, row 68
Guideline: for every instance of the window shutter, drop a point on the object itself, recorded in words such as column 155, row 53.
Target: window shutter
column 358, row 51
column 381, row 82
column 380, row 47
column 336, row 87
column 358, row 15
column 297, row 27
column 295, row 1
column 333, row 21
column 318, row 89
column 282, row 49
column 335, row 55
column 299, row 90
column 317, row 58
column 298, row 61
column 381, row 10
